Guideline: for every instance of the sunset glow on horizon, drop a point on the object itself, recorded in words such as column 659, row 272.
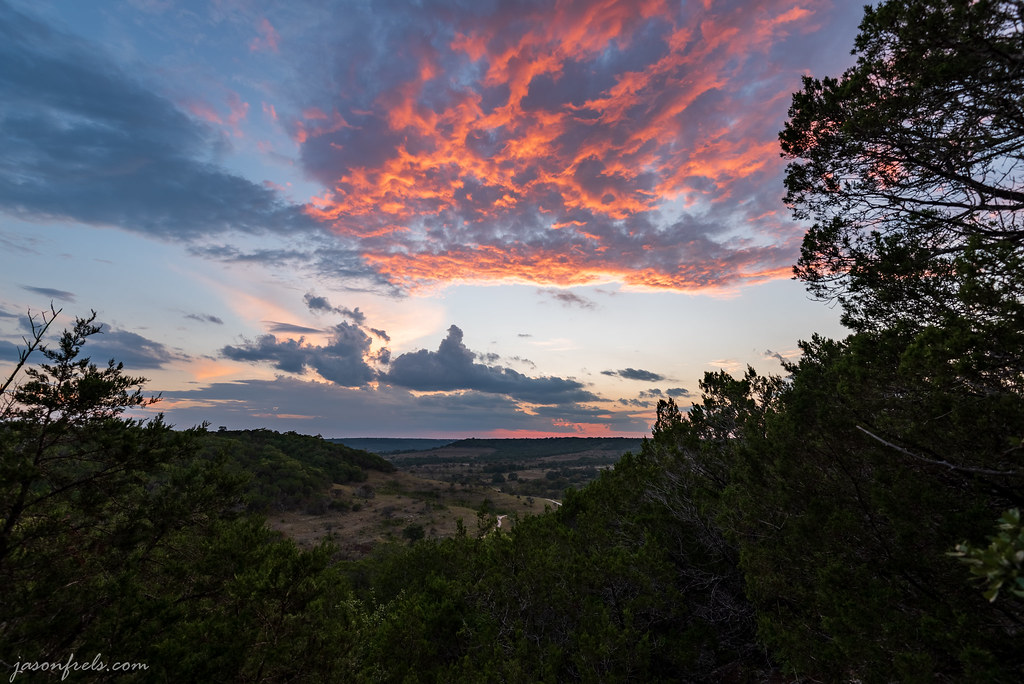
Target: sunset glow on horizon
column 371, row 219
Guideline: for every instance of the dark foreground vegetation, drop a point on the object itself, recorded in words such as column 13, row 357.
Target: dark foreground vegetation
column 856, row 520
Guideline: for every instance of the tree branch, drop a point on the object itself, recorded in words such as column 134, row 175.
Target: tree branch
column 947, row 464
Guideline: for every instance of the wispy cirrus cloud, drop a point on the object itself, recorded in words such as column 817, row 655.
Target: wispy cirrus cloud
column 50, row 292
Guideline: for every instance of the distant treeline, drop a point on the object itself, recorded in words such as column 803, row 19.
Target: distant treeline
column 390, row 445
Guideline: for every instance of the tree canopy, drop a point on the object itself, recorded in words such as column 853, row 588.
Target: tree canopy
column 913, row 159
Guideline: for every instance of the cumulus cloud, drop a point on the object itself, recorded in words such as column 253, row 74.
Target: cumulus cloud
column 678, row 392
column 453, row 367
column 342, row 361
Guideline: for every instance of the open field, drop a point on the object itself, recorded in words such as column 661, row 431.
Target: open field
column 388, row 507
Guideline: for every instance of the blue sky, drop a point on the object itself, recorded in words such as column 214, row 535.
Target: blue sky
column 432, row 219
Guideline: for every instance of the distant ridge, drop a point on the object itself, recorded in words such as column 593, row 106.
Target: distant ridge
column 389, row 445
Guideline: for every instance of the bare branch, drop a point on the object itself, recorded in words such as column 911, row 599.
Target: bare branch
column 947, row 464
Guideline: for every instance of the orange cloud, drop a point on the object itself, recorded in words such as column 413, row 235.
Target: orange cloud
column 237, row 112
column 544, row 127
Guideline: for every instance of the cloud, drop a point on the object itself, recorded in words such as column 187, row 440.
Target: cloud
column 562, row 144
column 205, row 318
column 8, row 352
column 86, row 142
column 318, row 304
column 342, row 361
column 678, row 392
column 635, row 403
column 386, row 411
column 452, row 367
column 568, row 299
column 635, row 374
column 268, row 38
column 133, row 350
column 557, row 144
column 276, row 327
column 50, row 292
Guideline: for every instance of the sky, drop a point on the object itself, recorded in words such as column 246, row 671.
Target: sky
column 443, row 218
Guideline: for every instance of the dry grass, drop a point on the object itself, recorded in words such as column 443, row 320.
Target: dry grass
column 398, row 501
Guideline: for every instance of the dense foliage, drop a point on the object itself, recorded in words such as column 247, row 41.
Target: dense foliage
column 290, row 471
column 855, row 520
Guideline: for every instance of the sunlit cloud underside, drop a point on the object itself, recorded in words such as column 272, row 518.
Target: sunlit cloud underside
column 591, row 142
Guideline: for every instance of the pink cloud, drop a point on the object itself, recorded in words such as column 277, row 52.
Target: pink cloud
column 558, row 145
column 267, row 39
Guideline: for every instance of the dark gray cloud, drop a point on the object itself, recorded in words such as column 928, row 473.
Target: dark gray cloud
column 567, row 298
column 205, row 318
column 133, row 350
column 289, row 403
column 635, row 403
column 678, row 392
column 342, row 361
column 453, row 367
column 318, row 304
column 8, row 353
column 635, row 374
column 50, row 292
column 86, row 142
column 775, row 355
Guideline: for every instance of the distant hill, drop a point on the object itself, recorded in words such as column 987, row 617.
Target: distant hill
column 591, row 449
column 388, row 445
column 289, row 471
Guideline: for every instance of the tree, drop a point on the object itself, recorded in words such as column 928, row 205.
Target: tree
column 88, row 498
column 911, row 163
column 123, row 537
column 1001, row 563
